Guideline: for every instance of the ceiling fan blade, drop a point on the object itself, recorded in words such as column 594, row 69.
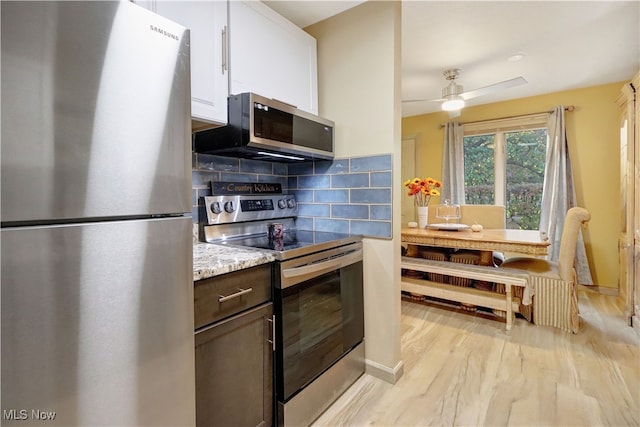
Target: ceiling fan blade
column 423, row 100
column 507, row 84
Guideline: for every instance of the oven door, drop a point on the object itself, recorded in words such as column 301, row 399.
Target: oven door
column 319, row 315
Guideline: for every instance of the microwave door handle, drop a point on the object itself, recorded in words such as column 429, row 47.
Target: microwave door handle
column 320, row 268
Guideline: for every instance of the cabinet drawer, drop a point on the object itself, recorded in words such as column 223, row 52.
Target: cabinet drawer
column 228, row 294
column 234, row 370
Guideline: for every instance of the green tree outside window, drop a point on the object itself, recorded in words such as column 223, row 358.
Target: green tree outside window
column 525, row 153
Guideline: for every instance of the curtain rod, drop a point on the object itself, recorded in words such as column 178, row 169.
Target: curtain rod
column 569, row 108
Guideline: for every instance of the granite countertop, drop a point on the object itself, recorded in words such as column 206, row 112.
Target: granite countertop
column 210, row 259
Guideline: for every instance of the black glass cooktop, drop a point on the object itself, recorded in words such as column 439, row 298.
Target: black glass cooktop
column 295, row 242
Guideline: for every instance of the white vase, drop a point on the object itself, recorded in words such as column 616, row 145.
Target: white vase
column 423, row 216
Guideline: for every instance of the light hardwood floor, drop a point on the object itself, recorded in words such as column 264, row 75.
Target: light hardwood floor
column 465, row 370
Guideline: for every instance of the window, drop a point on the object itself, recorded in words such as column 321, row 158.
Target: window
column 504, row 164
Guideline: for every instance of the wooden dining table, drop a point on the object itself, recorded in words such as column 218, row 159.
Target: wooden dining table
column 527, row 242
column 486, row 242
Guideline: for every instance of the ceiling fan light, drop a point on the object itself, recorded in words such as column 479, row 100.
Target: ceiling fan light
column 453, row 104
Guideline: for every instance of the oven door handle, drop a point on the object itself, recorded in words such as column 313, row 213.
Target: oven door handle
column 295, row 275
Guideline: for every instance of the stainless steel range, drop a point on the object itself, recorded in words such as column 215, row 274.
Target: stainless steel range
column 318, row 300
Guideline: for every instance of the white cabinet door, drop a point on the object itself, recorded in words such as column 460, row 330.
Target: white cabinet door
column 271, row 56
column 207, row 21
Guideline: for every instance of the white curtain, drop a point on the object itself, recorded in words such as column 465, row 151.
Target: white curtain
column 453, row 164
column 558, row 194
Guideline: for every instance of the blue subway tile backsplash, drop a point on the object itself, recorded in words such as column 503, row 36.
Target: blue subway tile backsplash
column 292, row 182
column 302, row 195
column 350, row 211
column 256, row 166
column 304, row 168
column 350, row 195
column 381, row 212
column 207, row 168
column 372, row 163
column 350, row 180
column 371, row 195
column 217, row 163
column 321, row 210
column 280, row 169
column 331, row 225
column 381, row 179
column 239, row 177
column 314, row 181
column 331, row 196
column 304, row 223
column 331, row 167
column 359, row 195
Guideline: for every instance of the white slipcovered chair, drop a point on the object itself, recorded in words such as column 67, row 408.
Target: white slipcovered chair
column 489, row 216
column 555, row 298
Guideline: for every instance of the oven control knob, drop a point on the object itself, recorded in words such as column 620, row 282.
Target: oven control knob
column 291, row 203
column 215, row 208
column 282, row 203
column 228, row 206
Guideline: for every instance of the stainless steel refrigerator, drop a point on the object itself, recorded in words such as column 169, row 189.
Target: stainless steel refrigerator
column 97, row 291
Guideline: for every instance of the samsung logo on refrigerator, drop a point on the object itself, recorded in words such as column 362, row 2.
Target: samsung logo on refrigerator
column 163, row 32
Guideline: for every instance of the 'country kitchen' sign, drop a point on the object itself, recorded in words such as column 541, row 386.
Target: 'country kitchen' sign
column 240, row 188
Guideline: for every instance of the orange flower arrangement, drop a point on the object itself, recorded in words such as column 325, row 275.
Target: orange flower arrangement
column 423, row 189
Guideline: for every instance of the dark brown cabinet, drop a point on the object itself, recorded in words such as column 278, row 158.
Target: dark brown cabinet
column 234, row 356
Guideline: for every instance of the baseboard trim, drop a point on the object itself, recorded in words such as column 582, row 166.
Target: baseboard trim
column 385, row 373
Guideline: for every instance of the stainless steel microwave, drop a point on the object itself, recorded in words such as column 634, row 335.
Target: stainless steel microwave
column 267, row 129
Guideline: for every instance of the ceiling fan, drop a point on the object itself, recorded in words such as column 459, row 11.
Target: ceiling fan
column 454, row 96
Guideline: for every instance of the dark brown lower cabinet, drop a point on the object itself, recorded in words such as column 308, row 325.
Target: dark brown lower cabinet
column 234, row 370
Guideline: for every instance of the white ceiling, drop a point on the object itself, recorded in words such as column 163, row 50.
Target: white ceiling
column 566, row 44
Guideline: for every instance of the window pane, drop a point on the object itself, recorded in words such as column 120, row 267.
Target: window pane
column 478, row 170
column 525, row 156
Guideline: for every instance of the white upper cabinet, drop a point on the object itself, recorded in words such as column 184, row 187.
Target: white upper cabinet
column 241, row 47
column 207, row 21
column 272, row 57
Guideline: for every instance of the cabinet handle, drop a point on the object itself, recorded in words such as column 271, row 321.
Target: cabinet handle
column 224, row 49
column 240, row 292
column 273, row 332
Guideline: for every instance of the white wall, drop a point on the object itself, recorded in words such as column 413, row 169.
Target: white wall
column 359, row 89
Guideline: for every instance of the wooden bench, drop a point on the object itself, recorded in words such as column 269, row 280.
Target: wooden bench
column 505, row 302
